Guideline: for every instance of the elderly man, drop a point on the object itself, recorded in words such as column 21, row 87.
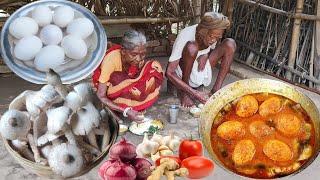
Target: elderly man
column 195, row 53
column 127, row 83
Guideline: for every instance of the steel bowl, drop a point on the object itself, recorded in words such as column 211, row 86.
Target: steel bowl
column 97, row 44
column 250, row 86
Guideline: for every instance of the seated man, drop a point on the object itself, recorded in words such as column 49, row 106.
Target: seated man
column 126, row 83
column 195, row 53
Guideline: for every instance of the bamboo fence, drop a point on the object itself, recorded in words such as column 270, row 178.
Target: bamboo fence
column 279, row 37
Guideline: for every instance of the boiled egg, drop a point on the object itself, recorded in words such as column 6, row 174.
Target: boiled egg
column 81, row 27
column 22, row 27
column 74, row 47
column 42, row 15
column 49, row 57
column 27, row 48
column 51, row 35
column 63, row 15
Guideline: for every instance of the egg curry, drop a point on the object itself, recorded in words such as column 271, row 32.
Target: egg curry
column 263, row 136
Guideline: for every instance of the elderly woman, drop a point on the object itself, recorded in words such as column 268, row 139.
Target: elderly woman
column 126, row 83
column 195, row 52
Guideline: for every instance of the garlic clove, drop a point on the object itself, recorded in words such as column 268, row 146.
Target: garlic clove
column 157, row 138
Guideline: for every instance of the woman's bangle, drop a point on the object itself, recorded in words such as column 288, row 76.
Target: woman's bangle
column 125, row 112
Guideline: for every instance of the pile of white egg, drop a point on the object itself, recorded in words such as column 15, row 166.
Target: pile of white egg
column 49, row 36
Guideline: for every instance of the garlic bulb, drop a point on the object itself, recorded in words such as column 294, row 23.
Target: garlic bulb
column 157, row 138
column 172, row 142
column 147, row 147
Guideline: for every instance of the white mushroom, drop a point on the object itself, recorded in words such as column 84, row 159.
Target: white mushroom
column 54, row 79
column 34, row 103
column 73, row 101
column 22, row 148
column 35, row 150
column 58, row 121
column 104, row 125
column 48, row 93
column 66, row 160
column 19, row 103
column 44, row 139
column 84, row 90
column 14, row 124
column 45, row 151
column 88, row 119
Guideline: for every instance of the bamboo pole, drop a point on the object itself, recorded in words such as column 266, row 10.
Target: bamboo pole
column 281, row 12
column 316, row 61
column 107, row 20
column 294, row 39
column 197, row 11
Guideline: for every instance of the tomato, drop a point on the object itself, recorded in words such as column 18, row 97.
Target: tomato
column 190, row 148
column 198, row 166
column 176, row 158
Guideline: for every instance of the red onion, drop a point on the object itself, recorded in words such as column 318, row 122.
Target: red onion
column 120, row 171
column 104, row 166
column 142, row 167
column 123, row 150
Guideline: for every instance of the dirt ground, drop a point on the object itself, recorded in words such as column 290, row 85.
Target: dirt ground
column 11, row 86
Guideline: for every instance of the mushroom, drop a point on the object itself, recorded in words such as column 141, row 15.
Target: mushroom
column 45, row 151
column 54, row 79
column 19, row 103
column 66, row 160
column 85, row 92
column 35, row 150
column 22, row 148
column 49, row 94
column 49, row 138
column 105, row 127
column 58, row 121
column 14, row 124
column 88, row 119
column 73, row 101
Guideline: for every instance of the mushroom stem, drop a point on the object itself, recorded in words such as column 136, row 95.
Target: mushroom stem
column 70, row 136
column 54, row 79
column 35, row 150
column 89, row 147
column 35, row 128
column 106, row 136
column 22, row 148
column 92, row 139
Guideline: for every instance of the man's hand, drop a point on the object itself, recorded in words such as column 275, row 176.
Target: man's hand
column 202, row 96
column 202, row 61
column 135, row 116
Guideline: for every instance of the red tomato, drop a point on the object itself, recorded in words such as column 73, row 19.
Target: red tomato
column 198, row 166
column 176, row 158
column 190, row 148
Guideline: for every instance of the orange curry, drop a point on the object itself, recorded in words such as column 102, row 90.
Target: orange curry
column 263, row 136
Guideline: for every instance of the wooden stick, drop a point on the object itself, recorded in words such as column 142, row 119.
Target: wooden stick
column 294, row 39
column 297, row 15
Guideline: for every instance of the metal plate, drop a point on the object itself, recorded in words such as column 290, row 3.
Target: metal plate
column 96, row 50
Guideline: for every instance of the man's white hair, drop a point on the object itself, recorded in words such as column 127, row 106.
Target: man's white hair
column 133, row 38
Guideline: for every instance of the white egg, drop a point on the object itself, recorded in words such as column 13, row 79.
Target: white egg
column 22, row 27
column 42, row 15
column 63, row 15
column 27, row 48
column 81, row 27
column 74, row 47
column 51, row 35
column 50, row 56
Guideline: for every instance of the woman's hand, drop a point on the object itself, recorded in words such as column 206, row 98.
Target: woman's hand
column 135, row 116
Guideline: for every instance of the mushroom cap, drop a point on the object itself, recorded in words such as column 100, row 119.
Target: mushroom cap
column 88, row 118
column 48, row 93
column 45, row 151
column 84, row 90
column 65, row 159
column 34, row 102
column 19, row 102
column 73, row 101
column 14, row 124
column 57, row 117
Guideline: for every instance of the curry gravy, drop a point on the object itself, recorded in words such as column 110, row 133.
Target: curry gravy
column 262, row 166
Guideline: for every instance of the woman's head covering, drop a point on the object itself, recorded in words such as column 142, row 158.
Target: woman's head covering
column 133, row 38
column 214, row 20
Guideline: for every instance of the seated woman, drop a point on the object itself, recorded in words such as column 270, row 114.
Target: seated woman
column 126, row 83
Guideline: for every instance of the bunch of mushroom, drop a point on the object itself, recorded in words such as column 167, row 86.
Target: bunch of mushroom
column 57, row 127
